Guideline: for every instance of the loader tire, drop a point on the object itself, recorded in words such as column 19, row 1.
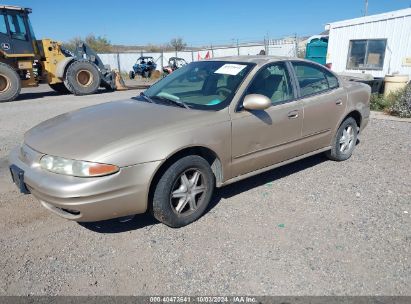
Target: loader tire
column 60, row 88
column 10, row 84
column 82, row 78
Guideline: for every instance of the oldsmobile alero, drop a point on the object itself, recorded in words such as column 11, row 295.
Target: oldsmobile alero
column 206, row 125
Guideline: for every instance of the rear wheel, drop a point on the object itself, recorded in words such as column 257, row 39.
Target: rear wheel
column 82, row 78
column 344, row 141
column 10, row 84
column 59, row 87
column 131, row 75
column 183, row 192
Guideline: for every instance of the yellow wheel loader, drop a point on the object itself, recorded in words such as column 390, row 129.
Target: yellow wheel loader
column 26, row 62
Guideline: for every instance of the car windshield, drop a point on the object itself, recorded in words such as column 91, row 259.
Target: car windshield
column 204, row 85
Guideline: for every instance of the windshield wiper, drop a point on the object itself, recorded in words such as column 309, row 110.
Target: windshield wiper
column 176, row 102
column 147, row 98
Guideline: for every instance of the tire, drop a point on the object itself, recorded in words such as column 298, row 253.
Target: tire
column 339, row 152
column 132, row 75
column 181, row 210
column 59, row 87
column 10, row 84
column 82, row 78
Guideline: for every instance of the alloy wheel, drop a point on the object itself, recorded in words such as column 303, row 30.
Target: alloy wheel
column 347, row 139
column 188, row 192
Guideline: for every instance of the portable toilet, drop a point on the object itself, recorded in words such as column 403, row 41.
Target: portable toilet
column 316, row 49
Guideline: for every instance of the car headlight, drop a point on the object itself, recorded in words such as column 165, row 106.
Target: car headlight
column 78, row 168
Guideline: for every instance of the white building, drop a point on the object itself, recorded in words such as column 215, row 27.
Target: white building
column 377, row 45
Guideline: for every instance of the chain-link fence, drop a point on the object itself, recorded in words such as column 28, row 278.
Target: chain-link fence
column 276, row 47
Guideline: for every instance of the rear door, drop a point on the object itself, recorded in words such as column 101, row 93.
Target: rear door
column 324, row 102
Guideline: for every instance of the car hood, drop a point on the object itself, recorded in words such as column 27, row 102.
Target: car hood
column 94, row 132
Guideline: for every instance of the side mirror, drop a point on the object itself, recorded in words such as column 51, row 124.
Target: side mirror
column 256, row 102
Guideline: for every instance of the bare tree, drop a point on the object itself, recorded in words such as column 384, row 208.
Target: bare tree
column 177, row 44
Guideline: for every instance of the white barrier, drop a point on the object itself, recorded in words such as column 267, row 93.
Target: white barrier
column 125, row 61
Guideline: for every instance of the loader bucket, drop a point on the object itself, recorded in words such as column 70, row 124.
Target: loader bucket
column 120, row 85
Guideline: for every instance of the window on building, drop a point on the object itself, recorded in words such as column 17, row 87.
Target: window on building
column 366, row 54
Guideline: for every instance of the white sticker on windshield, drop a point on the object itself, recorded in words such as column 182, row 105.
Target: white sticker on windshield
column 230, row 69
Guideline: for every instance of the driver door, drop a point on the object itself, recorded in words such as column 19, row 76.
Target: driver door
column 5, row 44
column 266, row 137
column 19, row 34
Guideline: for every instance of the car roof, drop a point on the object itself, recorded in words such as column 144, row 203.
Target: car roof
column 15, row 8
column 257, row 59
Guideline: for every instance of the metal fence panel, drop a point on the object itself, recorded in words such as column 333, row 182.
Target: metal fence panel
column 252, row 49
column 287, row 50
column 125, row 61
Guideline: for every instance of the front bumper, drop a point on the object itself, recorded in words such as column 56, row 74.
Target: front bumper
column 86, row 199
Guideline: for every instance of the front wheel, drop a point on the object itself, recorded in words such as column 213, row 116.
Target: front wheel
column 82, row 78
column 183, row 192
column 131, row 75
column 344, row 141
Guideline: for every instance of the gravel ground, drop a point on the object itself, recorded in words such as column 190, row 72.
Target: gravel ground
column 315, row 227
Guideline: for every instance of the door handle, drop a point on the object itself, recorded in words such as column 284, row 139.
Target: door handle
column 293, row 114
column 339, row 102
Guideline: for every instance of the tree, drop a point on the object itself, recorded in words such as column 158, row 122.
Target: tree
column 72, row 43
column 153, row 48
column 177, row 44
column 99, row 44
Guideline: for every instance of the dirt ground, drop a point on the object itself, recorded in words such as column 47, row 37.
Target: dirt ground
column 315, row 227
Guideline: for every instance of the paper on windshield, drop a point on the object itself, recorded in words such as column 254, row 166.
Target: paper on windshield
column 230, row 69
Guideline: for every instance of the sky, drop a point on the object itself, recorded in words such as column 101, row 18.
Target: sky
column 198, row 22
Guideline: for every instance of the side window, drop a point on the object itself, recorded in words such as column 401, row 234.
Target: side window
column 332, row 80
column 274, row 82
column 17, row 27
column 311, row 79
column 3, row 28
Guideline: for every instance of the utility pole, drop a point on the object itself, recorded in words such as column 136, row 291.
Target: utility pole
column 366, row 8
column 296, row 44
